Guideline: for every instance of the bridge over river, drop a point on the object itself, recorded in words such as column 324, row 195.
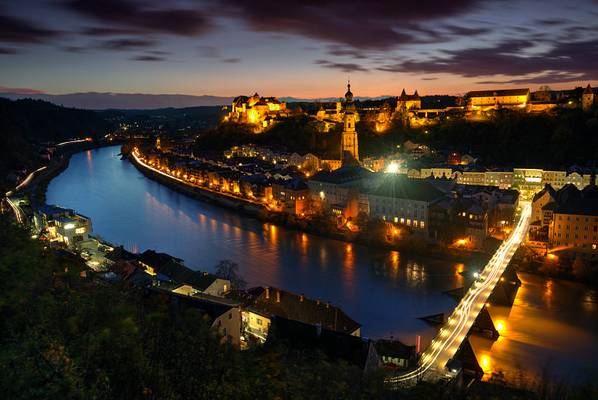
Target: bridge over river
column 433, row 362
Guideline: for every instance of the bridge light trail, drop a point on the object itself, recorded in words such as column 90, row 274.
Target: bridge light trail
column 459, row 323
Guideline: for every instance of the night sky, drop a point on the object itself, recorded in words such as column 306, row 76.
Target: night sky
column 302, row 48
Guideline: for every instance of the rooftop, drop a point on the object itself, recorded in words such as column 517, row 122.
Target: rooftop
column 499, row 92
column 401, row 187
column 281, row 303
column 344, row 174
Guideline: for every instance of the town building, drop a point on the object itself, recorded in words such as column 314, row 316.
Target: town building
column 574, row 224
column 261, row 305
column 404, row 202
column 224, row 315
column 341, row 189
column 395, row 355
column 291, row 196
column 165, row 268
column 541, row 214
column 63, row 225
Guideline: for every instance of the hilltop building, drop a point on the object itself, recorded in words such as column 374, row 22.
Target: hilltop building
column 262, row 112
column 485, row 100
column 588, row 98
column 408, row 102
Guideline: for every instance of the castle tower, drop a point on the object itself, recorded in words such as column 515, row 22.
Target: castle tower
column 349, row 139
column 587, row 98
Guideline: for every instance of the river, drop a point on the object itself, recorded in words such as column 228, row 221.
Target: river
column 551, row 322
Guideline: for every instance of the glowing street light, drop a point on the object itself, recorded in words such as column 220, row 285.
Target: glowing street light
column 393, row 168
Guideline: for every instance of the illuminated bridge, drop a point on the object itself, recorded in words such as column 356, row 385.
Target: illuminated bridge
column 432, row 365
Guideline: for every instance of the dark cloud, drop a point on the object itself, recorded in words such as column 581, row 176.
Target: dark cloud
column 159, row 52
column 551, row 77
column 108, row 31
column 17, row 30
column 148, row 57
column 74, row 49
column 8, row 51
column 209, row 51
column 146, row 16
column 343, row 51
column 552, row 21
column 363, row 25
column 510, row 58
column 126, row 44
column 232, row 60
column 455, row 30
column 344, row 67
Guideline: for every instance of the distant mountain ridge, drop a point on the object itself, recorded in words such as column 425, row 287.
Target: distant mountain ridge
column 123, row 101
column 140, row 101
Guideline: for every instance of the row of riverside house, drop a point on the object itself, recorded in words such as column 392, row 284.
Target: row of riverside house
column 256, row 316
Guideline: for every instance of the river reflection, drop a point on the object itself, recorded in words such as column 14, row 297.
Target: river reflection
column 550, row 327
column 386, row 291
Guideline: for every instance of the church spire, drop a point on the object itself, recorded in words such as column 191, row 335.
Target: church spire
column 349, row 95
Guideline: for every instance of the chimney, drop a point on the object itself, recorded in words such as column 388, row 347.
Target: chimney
column 267, row 292
column 301, row 297
column 277, row 296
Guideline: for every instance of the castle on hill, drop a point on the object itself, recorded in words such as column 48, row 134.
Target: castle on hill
column 259, row 112
column 262, row 113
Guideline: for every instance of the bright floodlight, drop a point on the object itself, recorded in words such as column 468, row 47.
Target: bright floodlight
column 476, row 275
column 393, row 168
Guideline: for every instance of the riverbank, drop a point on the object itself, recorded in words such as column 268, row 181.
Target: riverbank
column 257, row 211
column 36, row 189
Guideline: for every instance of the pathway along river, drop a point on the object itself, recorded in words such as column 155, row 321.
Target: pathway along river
column 552, row 322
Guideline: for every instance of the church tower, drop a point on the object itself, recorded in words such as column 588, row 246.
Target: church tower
column 349, row 139
column 587, row 98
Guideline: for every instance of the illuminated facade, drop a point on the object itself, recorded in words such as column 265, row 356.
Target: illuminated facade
column 485, row 100
column 260, row 112
column 588, row 98
column 349, row 143
column 63, row 225
column 408, row 102
column 574, row 224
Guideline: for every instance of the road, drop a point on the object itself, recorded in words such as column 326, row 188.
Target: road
column 16, row 209
column 19, row 214
column 136, row 155
column 445, row 345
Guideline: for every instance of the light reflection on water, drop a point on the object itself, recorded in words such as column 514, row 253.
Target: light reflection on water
column 549, row 327
column 386, row 291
